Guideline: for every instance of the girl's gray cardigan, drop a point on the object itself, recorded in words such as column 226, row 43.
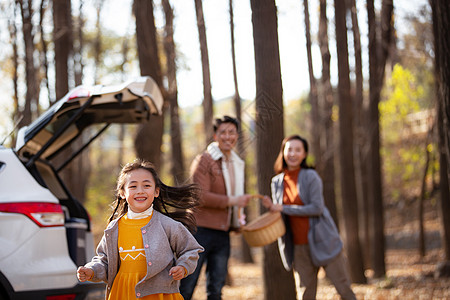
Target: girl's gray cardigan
column 170, row 244
column 323, row 238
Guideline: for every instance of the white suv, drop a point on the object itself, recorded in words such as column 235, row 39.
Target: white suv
column 45, row 233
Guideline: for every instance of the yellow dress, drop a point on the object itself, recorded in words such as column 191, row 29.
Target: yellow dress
column 133, row 265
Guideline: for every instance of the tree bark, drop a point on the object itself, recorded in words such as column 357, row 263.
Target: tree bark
column 98, row 42
column 16, row 115
column 208, row 110
column 62, row 37
column 423, row 189
column 80, row 168
column 178, row 170
column 245, row 249
column 148, row 139
column 123, row 127
column 444, row 187
column 63, row 43
column 360, row 111
column 236, row 97
column 377, row 61
column 348, row 185
column 329, row 147
column 269, row 131
column 78, row 65
column 441, row 20
column 313, row 99
column 43, row 51
column 32, row 92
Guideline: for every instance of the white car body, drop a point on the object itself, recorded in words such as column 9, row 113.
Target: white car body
column 44, row 231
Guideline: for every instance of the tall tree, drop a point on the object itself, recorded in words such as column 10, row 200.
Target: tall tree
column 78, row 65
column 313, row 98
column 378, row 52
column 122, row 129
column 148, row 139
column 245, row 249
column 62, row 37
column 329, row 147
column 63, row 45
column 178, row 170
column 81, row 167
column 32, row 92
column 360, row 110
column 236, row 97
column 208, row 109
column 441, row 20
column 43, row 50
column 269, row 131
column 16, row 116
column 98, row 40
column 348, row 185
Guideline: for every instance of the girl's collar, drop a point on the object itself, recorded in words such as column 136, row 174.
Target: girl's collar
column 141, row 215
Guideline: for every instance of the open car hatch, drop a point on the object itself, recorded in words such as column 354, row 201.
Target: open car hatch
column 131, row 102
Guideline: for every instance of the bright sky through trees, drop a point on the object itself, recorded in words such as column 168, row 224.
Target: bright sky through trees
column 116, row 15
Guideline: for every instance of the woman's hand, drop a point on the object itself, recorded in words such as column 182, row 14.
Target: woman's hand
column 84, row 274
column 177, row 272
column 267, row 202
column 276, row 208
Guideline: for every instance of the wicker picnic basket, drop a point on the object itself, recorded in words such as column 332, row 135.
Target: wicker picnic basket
column 264, row 230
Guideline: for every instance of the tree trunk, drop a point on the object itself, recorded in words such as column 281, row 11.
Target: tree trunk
column 348, row 186
column 236, row 97
column 208, row 110
column 329, row 147
column 123, row 127
column 313, row 99
column 377, row 61
column 178, row 170
column 269, row 131
column 63, row 43
column 245, row 249
column 43, row 51
column 81, row 164
column 360, row 108
column 32, row 91
column 444, row 187
column 78, row 47
column 80, row 167
column 441, row 20
column 16, row 115
column 148, row 139
column 423, row 189
column 98, row 42
column 62, row 36
column 441, row 12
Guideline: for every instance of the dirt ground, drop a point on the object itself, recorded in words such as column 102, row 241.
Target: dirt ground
column 408, row 276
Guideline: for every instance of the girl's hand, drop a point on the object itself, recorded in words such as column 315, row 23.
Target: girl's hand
column 84, row 274
column 177, row 272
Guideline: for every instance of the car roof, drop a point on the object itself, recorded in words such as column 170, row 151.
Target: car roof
column 133, row 101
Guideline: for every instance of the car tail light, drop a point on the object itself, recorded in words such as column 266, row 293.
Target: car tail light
column 43, row 214
column 61, row 297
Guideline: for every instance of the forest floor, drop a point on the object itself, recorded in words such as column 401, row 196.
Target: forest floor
column 408, row 276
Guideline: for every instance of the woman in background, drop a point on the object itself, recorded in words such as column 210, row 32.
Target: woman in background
column 311, row 240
